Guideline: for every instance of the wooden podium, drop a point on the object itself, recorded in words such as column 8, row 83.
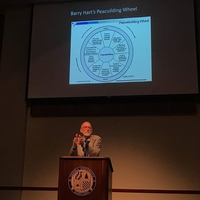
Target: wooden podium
column 85, row 178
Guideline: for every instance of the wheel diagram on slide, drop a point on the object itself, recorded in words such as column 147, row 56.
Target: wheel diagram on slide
column 110, row 51
column 106, row 53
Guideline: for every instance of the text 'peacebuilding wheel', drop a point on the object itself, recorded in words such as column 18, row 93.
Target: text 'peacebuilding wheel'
column 106, row 53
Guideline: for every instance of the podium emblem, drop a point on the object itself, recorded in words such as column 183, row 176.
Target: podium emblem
column 82, row 181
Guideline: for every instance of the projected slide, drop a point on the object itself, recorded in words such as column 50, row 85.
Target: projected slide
column 111, row 51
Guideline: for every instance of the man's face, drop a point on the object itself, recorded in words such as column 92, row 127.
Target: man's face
column 86, row 129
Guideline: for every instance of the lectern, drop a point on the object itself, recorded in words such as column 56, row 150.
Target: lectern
column 85, row 178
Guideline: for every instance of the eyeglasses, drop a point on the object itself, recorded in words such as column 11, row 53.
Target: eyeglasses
column 87, row 127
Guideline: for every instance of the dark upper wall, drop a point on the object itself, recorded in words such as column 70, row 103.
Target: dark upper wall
column 4, row 4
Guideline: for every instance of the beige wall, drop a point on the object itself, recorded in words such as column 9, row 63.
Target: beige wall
column 147, row 152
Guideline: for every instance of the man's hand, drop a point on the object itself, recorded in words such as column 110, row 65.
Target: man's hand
column 78, row 140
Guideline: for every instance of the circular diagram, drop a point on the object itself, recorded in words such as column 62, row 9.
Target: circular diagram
column 106, row 53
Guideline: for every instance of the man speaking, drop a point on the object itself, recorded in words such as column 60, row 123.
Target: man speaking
column 84, row 143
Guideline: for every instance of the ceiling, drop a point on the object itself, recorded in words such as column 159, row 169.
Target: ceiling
column 26, row 2
column 16, row 3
